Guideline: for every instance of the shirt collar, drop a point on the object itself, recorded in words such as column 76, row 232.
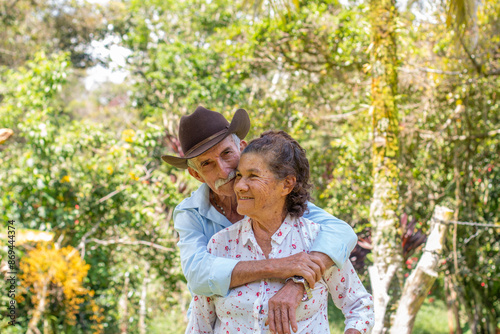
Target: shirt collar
column 284, row 229
column 200, row 200
column 247, row 234
column 247, row 231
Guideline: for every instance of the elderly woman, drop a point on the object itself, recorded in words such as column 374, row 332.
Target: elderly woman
column 272, row 185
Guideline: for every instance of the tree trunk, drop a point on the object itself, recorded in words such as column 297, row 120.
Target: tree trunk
column 386, row 234
column 452, row 305
column 422, row 278
column 40, row 309
column 123, row 306
column 142, row 302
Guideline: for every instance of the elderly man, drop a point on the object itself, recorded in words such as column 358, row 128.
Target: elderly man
column 212, row 147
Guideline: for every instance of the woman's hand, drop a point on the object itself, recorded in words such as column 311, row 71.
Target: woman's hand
column 352, row 331
column 283, row 306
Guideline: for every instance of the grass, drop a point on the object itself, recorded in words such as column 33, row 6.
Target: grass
column 172, row 322
column 432, row 318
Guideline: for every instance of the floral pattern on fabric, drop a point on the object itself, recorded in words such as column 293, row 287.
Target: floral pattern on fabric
column 245, row 308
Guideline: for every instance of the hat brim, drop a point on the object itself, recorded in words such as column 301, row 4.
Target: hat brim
column 240, row 125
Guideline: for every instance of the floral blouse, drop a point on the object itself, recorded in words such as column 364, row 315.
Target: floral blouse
column 245, row 308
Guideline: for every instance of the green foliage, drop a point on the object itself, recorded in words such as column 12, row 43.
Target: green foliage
column 90, row 173
column 87, row 184
column 181, row 61
column 61, row 26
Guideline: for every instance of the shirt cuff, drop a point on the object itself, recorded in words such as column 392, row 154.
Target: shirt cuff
column 220, row 275
column 336, row 251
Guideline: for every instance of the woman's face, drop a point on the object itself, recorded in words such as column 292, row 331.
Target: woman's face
column 259, row 193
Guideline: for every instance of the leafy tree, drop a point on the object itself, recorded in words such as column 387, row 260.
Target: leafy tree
column 61, row 26
column 54, row 278
column 89, row 175
column 93, row 188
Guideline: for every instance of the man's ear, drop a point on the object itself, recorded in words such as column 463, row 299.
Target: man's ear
column 194, row 173
column 289, row 184
column 243, row 144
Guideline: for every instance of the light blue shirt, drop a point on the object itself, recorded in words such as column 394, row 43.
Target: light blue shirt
column 196, row 221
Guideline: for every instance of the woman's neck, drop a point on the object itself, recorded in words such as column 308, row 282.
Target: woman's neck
column 265, row 229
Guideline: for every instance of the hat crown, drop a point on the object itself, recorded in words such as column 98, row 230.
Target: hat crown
column 199, row 126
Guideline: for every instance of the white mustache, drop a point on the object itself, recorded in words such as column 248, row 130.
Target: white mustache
column 221, row 182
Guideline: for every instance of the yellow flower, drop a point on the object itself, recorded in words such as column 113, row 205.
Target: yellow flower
column 65, row 179
column 61, row 272
column 133, row 176
column 128, row 135
column 109, row 169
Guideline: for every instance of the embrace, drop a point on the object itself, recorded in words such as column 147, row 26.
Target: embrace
column 258, row 256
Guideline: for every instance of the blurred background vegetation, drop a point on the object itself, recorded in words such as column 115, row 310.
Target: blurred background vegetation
column 80, row 163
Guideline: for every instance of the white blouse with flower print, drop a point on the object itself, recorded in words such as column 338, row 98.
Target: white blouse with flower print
column 245, row 308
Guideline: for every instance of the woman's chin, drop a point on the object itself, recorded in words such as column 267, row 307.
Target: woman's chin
column 242, row 210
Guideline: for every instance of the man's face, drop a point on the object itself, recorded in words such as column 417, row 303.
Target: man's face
column 216, row 167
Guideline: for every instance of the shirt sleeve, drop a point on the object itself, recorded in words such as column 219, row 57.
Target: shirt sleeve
column 206, row 274
column 336, row 238
column 202, row 318
column 351, row 297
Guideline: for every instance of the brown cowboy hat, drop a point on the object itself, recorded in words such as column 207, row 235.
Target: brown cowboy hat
column 204, row 129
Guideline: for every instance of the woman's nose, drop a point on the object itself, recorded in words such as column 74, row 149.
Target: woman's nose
column 240, row 185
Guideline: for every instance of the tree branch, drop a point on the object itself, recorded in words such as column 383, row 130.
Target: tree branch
column 426, row 134
column 428, row 70
column 492, row 73
column 339, row 117
column 472, row 58
column 124, row 241
column 83, row 241
column 476, row 136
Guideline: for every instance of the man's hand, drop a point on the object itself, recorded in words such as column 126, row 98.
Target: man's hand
column 309, row 266
column 283, row 306
column 352, row 331
column 327, row 262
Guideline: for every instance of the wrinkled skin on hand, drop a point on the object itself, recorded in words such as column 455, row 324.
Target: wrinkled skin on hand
column 282, row 307
column 309, row 266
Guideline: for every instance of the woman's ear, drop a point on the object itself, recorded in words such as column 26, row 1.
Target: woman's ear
column 289, row 184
